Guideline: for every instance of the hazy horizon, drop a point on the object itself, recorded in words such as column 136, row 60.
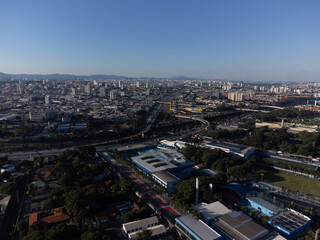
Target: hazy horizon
column 235, row 40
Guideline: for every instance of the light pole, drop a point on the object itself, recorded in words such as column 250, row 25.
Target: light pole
column 261, row 176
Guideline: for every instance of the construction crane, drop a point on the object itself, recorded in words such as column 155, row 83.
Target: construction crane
column 194, row 109
column 170, row 104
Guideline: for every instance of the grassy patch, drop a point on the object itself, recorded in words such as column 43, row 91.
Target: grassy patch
column 290, row 181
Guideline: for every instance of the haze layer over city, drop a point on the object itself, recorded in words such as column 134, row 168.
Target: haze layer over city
column 159, row 120
column 234, row 40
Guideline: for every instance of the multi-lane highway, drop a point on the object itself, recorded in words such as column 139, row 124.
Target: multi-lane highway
column 30, row 155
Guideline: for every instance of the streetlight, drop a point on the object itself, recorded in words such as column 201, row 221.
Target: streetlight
column 261, row 176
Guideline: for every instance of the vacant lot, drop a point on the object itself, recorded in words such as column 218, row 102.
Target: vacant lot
column 295, row 183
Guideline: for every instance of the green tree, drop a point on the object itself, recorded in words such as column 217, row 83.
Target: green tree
column 185, row 193
column 75, row 202
column 89, row 236
column 237, row 171
column 188, row 151
column 34, row 234
column 144, row 235
column 22, row 228
column 7, row 188
column 57, row 232
column 125, row 185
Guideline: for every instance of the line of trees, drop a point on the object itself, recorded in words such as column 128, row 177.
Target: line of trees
column 279, row 114
column 219, row 160
column 304, row 143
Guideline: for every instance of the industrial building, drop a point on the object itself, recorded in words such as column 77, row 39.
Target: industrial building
column 173, row 144
column 162, row 167
column 290, row 223
column 238, row 226
column 233, row 225
column 264, row 206
column 151, row 163
column 167, row 180
column 211, row 211
column 231, row 148
column 191, row 228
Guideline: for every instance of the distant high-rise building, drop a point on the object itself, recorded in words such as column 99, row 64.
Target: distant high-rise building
column 216, row 94
column 64, row 91
column 102, row 92
column 236, row 96
column 73, row 91
column 138, row 84
column 19, row 88
column 227, row 86
column 88, row 89
column 47, row 99
column 112, row 95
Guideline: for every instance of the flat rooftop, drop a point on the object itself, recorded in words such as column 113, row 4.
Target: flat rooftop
column 166, row 176
column 289, row 220
column 155, row 230
column 131, row 147
column 265, row 204
column 199, row 228
column 153, row 163
column 212, row 210
column 238, row 148
column 240, row 226
column 140, row 223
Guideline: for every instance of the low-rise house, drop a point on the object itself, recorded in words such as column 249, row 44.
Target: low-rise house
column 43, row 219
column 132, row 229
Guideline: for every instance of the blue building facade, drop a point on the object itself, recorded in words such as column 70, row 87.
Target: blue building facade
column 290, row 223
column 263, row 206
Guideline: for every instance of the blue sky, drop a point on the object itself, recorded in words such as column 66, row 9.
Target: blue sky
column 266, row 40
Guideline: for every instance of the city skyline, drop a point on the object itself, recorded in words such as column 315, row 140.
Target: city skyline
column 247, row 40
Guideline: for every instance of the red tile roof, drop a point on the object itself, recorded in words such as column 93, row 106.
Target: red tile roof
column 35, row 217
column 36, row 177
column 58, row 217
column 45, row 169
column 48, row 176
column 200, row 166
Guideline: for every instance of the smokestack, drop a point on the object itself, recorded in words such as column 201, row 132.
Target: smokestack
column 197, row 190
column 282, row 123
